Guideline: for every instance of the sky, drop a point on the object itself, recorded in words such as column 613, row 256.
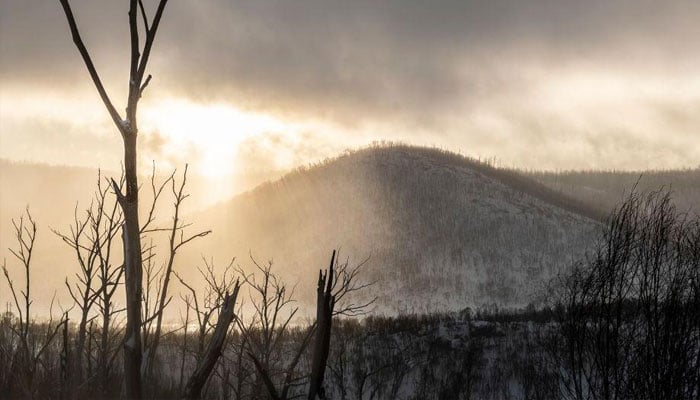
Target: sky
column 269, row 85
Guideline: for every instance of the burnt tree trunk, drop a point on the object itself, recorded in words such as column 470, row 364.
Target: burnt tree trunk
column 65, row 378
column 133, row 273
column 325, row 301
column 193, row 390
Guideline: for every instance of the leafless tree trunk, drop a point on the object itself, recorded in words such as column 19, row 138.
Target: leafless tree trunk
column 90, row 239
column 263, row 335
column 183, row 355
column 333, row 286
column 128, row 201
column 220, row 296
column 196, row 382
column 65, row 361
column 325, row 301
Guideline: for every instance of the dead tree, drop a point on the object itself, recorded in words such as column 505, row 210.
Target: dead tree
column 91, row 238
column 65, row 357
column 25, row 233
column 82, row 291
column 183, row 354
column 220, row 296
column 334, row 285
column 263, row 335
column 201, row 374
column 630, row 315
column 128, row 128
column 325, row 302
column 176, row 240
column 28, row 353
column 109, row 278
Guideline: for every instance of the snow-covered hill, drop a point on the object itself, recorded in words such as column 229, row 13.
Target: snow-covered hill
column 442, row 232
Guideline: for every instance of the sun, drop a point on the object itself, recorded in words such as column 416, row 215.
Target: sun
column 206, row 135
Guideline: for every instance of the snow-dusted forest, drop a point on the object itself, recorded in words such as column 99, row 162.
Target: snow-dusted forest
column 618, row 309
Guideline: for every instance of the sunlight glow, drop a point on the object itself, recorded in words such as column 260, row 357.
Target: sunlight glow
column 208, row 135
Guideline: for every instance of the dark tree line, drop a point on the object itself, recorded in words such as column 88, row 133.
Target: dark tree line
column 630, row 326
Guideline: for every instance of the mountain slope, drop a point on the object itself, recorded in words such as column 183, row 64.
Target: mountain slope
column 442, row 231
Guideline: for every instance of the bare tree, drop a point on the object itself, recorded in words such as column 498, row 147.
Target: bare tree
column 128, row 128
column 220, row 297
column 176, row 240
column 325, row 302
column 196, row 382
column 264, row 335
column 31, row 345
column 332, row 299
column 91, row 238
column 630, row 326
column 333, row 288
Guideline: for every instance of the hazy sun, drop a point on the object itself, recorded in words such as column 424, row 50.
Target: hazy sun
column 206, row 134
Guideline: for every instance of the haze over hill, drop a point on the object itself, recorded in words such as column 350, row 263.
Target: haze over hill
column 603, row 190
column 441, row 231
column 448, row 230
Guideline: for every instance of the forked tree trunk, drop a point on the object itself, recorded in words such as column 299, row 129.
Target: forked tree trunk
column 128, row 129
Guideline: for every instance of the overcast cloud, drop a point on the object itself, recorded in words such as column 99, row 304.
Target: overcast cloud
column 541, row 84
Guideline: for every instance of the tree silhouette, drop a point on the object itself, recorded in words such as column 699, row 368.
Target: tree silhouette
column 128, row 201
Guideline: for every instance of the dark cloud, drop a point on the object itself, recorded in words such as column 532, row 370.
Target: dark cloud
column 408, row 58
column 376, row 56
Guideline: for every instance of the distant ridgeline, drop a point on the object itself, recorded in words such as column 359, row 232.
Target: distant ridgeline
column 603, row 190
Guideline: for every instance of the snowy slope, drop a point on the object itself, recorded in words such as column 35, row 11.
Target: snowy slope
column 442, row 232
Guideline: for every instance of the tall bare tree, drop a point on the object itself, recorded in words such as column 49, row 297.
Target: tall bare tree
column 128, row 128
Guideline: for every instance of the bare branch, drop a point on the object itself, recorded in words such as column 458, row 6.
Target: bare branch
column 77, row 39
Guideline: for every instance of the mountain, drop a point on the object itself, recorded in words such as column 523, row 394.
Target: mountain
column 440, row 231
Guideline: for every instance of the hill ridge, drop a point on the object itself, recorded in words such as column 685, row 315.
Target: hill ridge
column 436, row 227
column 512, row 177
